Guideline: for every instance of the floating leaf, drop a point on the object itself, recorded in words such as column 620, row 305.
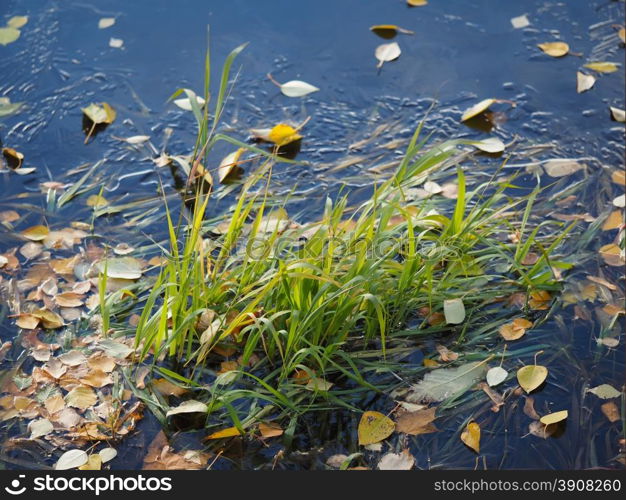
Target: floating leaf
column 269, row 430
column 107, row 454
column 189, row 406
column 554, row 49
column 73, row 358
column 283, row 134
column 127, row 268
column 228, row 164
column 71, row 459
column 515, row 330
column 443, row 383
column 36, row 233
column 554, row 418
column 397, row 461
column 93, row 463
column 605, row 391
column 115, row 349
column 562, row 167
column 603, row 67
column 611, row 411
column 387, row 52
column 584, row 82
column 532, row 376
column 13, row 158
column 417, row 3
column 81, row 397
column 40, row 427
column 496, row 375
column 477, row 109
column 490, row 145
column 224, row 433
column 374, row 427
column 185, row 104
column 137, row 139
column 454, row 311
column 8, row 35
column 471, row 436
column 102, row 114
column 613, row 221
column 619, row 115
column 17, row 22
column 7, row 107
column 106, row 22
column 294, row 88
column 520, row 21
column 116, row 43
column 389, row 30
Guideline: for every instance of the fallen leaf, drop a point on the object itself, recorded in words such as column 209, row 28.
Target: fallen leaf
column 529, row 408
column 295, row 88
column 443, row 383
column 543, row 431
column 496, row 375
column 554, row 49
column 603, row 67
column 13, row 158
column 224, row 433
column 107, row 454
column 269, row 430
column 530, row 377
column 189, row 406
column 520, row 21
column 185, row 104
column 490, row 145
column 584, row 82
column 454, row 311
column 612, row 255
column 283, row 134
column 228, row 164
column 36, row 233
column 605, row 391
column 389, row 30
column 387, row 52
column 471, row 436
column 562, row 167
column 417, row 422
column 93, row 463
column 40, row 427
column 613, row 221
column 17, row 21
column 106, row 22
column 116, row 43
column 620, row 201
column 97, row 201
column 8, row 35
column 611, row 411
column 127, row 268
column 478, row 109
column 374, row 427
column 554, row 418
column 73, row 358
column 81, row 397
column 446, row 354
column 71, row 459
column 417, row 3
column 102, row 114
column 397, row 461
column 618, row 115
column 540, row 300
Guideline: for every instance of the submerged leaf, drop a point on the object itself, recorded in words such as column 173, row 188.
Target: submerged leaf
column 417, row 422
column 36, row 233
column 120, row 267
column 443, row 383
column 561, row 167
column 397, row 461
column 387, row 52
column 374, row 427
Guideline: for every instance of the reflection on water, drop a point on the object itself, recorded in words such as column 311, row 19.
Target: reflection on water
column 360, row 122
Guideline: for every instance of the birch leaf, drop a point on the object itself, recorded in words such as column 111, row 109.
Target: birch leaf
column 554, row 49
column 106, row 22
column 107, row 454
column 444, row 383
column 374, row 427
column 283, row 134
column 417, row 3
column 584, row 82
column 605, row 391
column 532, row 376
column 71, row 459
column 8, row 35
column 496, row 375
column 561, row 167
column 40, row 427
column 554, row 418
column 603, row 67
column 17, row 21
column 454, row 311
column 397, row 461
column 477, row 109
column 520, row 21
column 228, row 164
column 185, row 104
column 490, row 145
column 471, row 436
column 389, row 30
column 190, row 406
column 619, row 115
column 387, row 52
column 297, row 88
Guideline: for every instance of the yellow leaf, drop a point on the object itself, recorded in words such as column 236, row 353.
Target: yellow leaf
column 417, row 3
column 36, row 233
column 613, row 221
column 13, row 158
column 270, row 430
column 374, row 427
column 603, row 67
column 94, row 463
column 553, row 418
column 554, row 49
column 477, row 109
column 17, row 22
column 283, row 134
column 81, row 397
column 389, row 30
column 97, row 201
column 224, row 433
column 471, row 436
column 532, row 376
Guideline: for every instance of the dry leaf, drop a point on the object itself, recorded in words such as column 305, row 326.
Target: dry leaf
column 417, row 422
column 387, row 52
column 584, row 82
column 374, row 427
column 397, row 461
column 471, row 436
column 554, row 49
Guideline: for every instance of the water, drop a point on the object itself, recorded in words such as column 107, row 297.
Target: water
column 461, row 52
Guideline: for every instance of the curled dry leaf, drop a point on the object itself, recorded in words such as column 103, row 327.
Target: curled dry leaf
column 224, row 433
column 189, row 406
column 374, row 427
column 283, row 134
column 270, row 429
column 185, row 104
column 387, row 52
column 554, row 49
column 516, row 329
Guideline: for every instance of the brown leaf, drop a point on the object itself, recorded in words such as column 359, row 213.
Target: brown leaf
column 611, row 411
column 417, row 422
column 529, row 408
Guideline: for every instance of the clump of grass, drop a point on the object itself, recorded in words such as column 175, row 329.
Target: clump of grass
column 301, row 306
